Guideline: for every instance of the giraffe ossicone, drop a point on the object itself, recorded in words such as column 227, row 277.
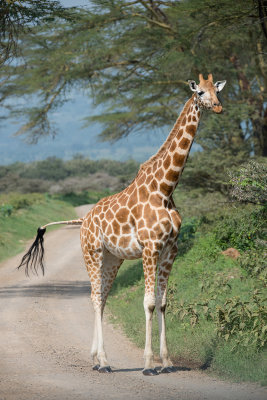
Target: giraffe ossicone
column 140, row 221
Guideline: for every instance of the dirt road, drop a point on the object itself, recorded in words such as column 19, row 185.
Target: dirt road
column 45, row 337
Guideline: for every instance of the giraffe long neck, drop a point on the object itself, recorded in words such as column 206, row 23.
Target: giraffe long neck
column 168, row 163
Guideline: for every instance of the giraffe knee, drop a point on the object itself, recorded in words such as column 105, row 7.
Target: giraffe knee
column 161, row 304
column 163, row 308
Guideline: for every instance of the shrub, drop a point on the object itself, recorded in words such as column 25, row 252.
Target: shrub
column 16, row 201
column 254, row 262
column 249, row 184
column 245, row 322
column 241, row 228
column 6, row 210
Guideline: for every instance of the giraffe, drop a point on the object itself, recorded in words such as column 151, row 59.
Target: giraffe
column 142, row 221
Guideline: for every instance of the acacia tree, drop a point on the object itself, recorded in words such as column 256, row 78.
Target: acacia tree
column 134, row 57
column 16, row 17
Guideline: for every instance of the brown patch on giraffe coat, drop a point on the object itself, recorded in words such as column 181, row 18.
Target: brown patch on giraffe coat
column 167, row 162
column 198, row 114
column 133, row 199
column 165, row 188
column 189, row 118
column 178, row 159
column 148, row 179
column 109, row 230
column 155, row 167
column 180, row 134
column 116, row 227
column 183, row 121
column 109, row 215
column 153, row 185
column 155, row 200
column 122, row 214
column 113, row 240
column 126, row 228
column 124, row 241
column 191, row 129
column 122, row 199
column 141, row 179
column 194, row 119
column 184, row 143
column 130, row 189
column 141, row 224
column 144, row 234
column 115, row 207
column 92, row 227
column 96, row 221
column 143, row 194
column 104, row 225
column 150, row 215
column 159, row 174
column 173, row 146
column 172, row 175
column 137, row 211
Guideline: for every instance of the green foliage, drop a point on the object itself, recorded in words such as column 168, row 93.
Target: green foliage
column 241, row 228
column 249, row 183
column 28, row 212
column 253, row 262
column 6, row 210
column 78, row 199
column 128, row 55
column 187, row 234
column 68, row 177
column 245, row 322
column 16, row 201
column 17, row 16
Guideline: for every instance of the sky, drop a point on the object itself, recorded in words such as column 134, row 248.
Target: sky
column 72, row 138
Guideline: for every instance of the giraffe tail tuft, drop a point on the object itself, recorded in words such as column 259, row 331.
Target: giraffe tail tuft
column 35, row 255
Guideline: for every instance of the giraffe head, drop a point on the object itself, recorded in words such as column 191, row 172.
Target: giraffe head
column 206, row 93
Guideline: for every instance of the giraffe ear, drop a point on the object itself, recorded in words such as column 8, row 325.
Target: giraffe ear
column 192, row 85
column 219, row 85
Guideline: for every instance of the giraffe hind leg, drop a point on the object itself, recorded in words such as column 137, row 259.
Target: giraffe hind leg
column 104, row 276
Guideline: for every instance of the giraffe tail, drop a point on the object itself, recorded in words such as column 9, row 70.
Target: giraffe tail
column 35, row 255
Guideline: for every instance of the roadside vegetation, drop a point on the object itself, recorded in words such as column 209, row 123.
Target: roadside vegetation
column 217, row 310
column 217, row 303
column 22, row 214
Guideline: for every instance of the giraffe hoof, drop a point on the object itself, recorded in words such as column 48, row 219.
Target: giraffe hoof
column 167, row 370
column 104, row 370
column 96, row 367
column 150, row 372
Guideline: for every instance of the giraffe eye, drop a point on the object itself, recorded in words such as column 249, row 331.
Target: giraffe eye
column 200, row 93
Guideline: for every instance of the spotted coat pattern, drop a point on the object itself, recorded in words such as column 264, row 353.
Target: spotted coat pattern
column 140, row 221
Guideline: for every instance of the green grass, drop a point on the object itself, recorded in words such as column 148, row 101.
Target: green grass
column 26, row 216
column 191, row 346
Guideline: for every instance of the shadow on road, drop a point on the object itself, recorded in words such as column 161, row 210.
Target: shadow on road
column 64, row 289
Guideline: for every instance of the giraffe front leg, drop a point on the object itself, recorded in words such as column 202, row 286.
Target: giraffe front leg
column 163, row 276
column 150, row 266
column 95, row 360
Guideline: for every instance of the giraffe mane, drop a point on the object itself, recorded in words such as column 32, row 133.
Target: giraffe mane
column 168, row 141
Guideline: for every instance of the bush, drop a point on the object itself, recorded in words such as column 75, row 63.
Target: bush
column 245, row 322
column 241, row 228
column 254, row 262
column 16, row 201
column 249, row 184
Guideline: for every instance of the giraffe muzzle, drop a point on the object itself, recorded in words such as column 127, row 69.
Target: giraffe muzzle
column 217, row 109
